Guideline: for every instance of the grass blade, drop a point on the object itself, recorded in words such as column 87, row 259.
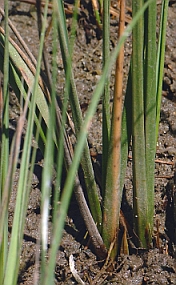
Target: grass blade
column 160, row 60
column 106, row 96
column 150, row 110
column 4, row 145
column 138, row 128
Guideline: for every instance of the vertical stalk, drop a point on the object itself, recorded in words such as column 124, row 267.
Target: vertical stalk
column 160, row 60
column 60, row 154
column 113, row 194
column 106, row 95
column 126, row 129
column 138, row 128
column 4, row 144
column 96, row 12
column 150, row 108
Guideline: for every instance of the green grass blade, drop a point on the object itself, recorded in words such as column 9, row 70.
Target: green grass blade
column 138, row 128
column 4, row 120
column 60, row 156
column 150, row 110
column 13, row 160
column 144, row 121
column 60, row 159
column 126, row 129
column 46, row 184
column 106, row 96
column 160, row 60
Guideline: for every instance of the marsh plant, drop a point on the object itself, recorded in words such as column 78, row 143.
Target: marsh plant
column 132, row 124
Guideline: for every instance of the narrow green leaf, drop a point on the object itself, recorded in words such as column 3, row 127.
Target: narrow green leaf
column 160, row 60
column 150, row 110
column 106, row 96
column 138, row 128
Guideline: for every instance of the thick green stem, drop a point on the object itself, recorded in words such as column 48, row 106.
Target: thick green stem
column 144, row 120
column 138, row 129
column 150, row 109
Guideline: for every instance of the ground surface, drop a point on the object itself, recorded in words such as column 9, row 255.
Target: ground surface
column 158, row 266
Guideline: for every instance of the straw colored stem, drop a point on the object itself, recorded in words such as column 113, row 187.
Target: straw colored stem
column 113, row 193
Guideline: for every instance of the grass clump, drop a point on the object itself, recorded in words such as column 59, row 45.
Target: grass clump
column 134, row 122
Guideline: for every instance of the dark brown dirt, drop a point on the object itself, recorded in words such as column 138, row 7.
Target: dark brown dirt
column 157, row 266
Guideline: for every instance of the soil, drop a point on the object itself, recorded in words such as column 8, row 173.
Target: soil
column 156, row 266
